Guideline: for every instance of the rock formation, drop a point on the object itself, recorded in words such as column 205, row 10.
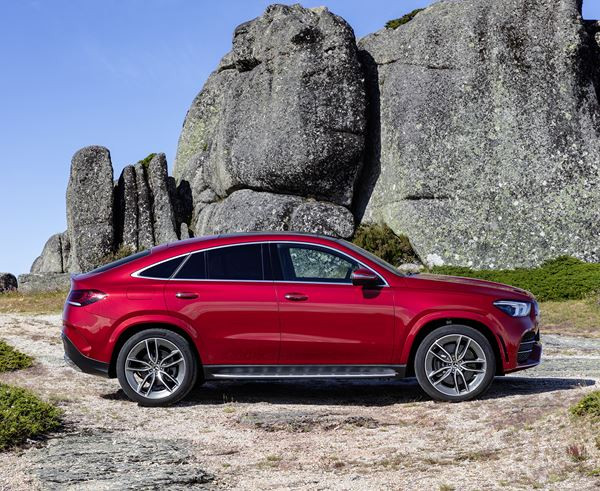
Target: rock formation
column 135, row 213
column 472, row 129
column 486, row 150
column 284, row 114
column 8, row 282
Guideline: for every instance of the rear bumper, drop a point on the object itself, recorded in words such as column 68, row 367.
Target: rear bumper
column 87, row 365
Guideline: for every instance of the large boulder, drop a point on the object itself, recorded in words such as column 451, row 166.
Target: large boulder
column 164, row 224
column 486, row 150
column 55, row 255
column 284, row 112
column 8, row 282
column 90, row 208
column 46, row 282
column 250, row 211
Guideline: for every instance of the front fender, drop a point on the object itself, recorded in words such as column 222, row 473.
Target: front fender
column 487, row 320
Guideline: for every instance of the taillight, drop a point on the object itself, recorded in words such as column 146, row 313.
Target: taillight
column 80, row 298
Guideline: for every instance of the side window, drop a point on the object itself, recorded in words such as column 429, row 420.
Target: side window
column 194, row 268
column 162, row 270
column 240, row 262
column 314, row 264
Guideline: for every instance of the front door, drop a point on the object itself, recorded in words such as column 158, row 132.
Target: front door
column 325, row 319
column 223, row 294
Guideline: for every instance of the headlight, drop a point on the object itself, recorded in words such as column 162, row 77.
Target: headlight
column 514, row 308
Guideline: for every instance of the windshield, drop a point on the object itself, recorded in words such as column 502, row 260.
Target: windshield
column 376, row 259
column 120, row 262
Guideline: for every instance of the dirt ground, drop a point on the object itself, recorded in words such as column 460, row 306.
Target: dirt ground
column 308, row 435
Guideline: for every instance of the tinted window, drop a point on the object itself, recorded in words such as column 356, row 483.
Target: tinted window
column 162, row 270
column 194, row 268
column 120, row 262
column 235, row 263
column 311, row 263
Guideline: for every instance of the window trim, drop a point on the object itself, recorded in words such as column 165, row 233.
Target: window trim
column 262, row 242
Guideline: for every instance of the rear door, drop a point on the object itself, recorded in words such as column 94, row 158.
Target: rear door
column 325, row 319
column 222, row 292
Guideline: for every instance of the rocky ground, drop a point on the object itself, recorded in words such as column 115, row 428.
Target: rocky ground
column 309, row 435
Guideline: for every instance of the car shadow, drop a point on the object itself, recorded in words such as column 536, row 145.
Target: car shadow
column 352, row 392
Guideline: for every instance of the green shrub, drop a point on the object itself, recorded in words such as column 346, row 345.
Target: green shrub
column 395, row 23
column 146, row 161
column 588, row 406
column 383, row 242
column 123, row 251
column 11, row 359
column 563, row 278
column 23, row 415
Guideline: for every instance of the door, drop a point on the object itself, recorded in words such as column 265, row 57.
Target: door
column 223, row 294
column 324, row 318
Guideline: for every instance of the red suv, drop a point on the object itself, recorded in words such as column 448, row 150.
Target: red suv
column 287, row 306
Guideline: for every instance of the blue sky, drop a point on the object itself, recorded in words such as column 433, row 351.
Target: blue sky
column 118, row 73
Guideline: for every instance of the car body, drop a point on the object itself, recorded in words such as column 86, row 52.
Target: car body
column 286, row 305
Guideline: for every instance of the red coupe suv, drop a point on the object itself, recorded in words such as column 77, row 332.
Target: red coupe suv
column 288, row 306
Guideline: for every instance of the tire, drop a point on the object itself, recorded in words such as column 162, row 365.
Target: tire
column 161, row 380
column 446, row 376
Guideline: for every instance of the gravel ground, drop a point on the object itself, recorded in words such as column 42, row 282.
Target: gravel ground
column 307, row 435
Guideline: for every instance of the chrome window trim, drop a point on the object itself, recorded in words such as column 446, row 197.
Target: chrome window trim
column 137, row 273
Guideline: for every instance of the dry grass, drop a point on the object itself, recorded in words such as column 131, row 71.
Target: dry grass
column 572, row 318
column 34, row 303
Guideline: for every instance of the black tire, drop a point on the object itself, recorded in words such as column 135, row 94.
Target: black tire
column 463, row 373
column 159, row 341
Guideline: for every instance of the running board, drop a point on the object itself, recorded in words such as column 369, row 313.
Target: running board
column 301, row 371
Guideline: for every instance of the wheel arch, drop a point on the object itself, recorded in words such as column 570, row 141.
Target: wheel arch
column 496, row 341
column 134, row 329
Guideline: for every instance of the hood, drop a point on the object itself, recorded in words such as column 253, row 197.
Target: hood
column 469, row 283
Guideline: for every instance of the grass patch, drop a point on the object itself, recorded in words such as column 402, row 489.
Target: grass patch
column 32, row 303
column 589, row 406
column 23, row 415
column 11, row 359
column 383, row 242
column 571, row 317
column 563, row 278
column 395, row 23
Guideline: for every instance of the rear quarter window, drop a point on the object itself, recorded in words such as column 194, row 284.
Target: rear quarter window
column 163, row 270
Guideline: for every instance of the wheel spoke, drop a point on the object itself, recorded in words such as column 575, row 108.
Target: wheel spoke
column 150, row 357
column 439, row 370
column 464, row 380
column 456, row 387
column 461, row 357
column 441, row 348
column 141, row 384
column 153, row 374
column 443, row 377
column 175, row 383
column 457, row 347
column 466, row 369
column 132, row 369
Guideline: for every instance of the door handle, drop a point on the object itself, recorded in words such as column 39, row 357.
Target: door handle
column 296, row 297
column 186, row 295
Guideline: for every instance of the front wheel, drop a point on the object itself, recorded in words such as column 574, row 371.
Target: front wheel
column 455, row 363
column 156, row 367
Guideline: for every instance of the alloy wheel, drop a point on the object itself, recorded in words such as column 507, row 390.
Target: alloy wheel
column 455, row 365
column 155, row 368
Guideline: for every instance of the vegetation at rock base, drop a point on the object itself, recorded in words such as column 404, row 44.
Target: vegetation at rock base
column 11, row 359
column 146, row 160
column 395, row 23
column 121, row 253
column 32, row 303
column 589, row 406
column 383, row 242
column 563, row 278
column 23, row 415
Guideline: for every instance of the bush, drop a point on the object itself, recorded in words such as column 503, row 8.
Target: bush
column 588, row 406
column 23, row 415
column 563, row 278
column 146, row 161
column 383, row 242
column 11, row 359
column 121, row 253
column 395, row 23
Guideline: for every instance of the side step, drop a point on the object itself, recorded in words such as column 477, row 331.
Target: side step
column 301, row 371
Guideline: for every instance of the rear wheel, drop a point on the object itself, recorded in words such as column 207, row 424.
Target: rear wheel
column 455, row 363
column 156, row 367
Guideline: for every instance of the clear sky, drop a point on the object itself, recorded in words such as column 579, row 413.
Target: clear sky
column 118, row 73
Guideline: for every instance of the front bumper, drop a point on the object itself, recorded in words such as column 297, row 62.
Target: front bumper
column 87, row 365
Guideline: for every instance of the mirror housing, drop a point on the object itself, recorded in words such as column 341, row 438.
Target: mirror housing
column 364, row 277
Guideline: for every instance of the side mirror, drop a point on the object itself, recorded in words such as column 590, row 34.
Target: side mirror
column 364, row 277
